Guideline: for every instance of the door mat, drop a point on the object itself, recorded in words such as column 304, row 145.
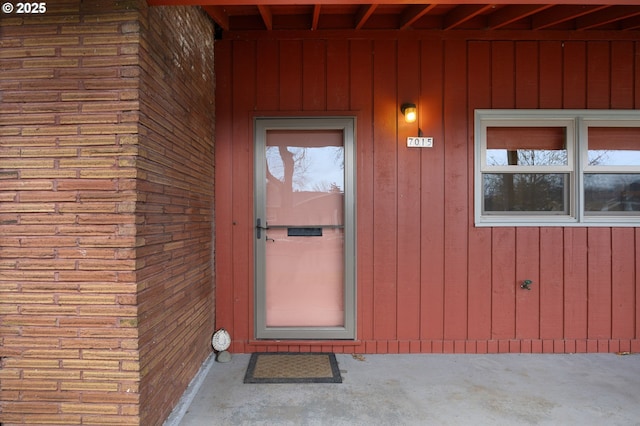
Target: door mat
column 293, row 367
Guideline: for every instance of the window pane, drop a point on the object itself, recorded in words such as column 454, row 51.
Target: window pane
column 526, row 192
column 526, row 146
column 526, row 157
column 614, row 146
column 304, row 181
column 611, row 193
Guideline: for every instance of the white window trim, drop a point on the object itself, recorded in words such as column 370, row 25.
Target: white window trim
column 576, row 122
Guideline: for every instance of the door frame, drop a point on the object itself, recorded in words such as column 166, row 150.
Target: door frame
column 348, row 126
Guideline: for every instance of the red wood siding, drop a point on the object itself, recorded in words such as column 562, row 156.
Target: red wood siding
column 428, row 279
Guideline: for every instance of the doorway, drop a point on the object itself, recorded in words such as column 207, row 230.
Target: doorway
column 305, row 228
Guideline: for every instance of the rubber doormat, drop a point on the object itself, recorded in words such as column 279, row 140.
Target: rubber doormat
column 293, row 367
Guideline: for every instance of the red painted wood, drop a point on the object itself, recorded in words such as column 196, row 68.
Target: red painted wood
column 528, row 268
column 479, row 307
column 433, row 193
column 623, row 279
column 622, row 75
column 244, row 92
column 385, row 183
column 314, row 95
column 448, row 286
column 290, row 62
column 267, row 80
column 503, row 270
column 527, row 74
column 574, row 79
column 575, row 283
column 480, row 303
column 599, row 282
column 223, row 191
column 456, row 195
column 598, row 75
column 361, row 99
column 550, row 284
column 502, row 75
column 614, row 346
column 536, row 347
column 408, row 198
column 550, row 63
column 338, row 75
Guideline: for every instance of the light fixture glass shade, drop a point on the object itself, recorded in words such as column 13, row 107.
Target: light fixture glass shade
column 409, row 111
column 221, row 340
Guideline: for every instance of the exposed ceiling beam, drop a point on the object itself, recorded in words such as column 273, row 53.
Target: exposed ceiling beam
column 462, row 14
column 469, row 14
column 412, row 14
column 218, row 14
column 267, row 17
column 605, row 17
column 364, row 12
column 386, row 2
column 630, row 24
column 559, row 14
column 510, row 14
column 316, row 17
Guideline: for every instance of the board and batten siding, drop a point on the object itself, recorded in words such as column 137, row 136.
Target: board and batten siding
column 428, row 280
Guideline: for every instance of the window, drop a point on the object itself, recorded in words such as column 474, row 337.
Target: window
column 557, row 167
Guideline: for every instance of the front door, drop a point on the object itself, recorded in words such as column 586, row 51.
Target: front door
column 305, row 233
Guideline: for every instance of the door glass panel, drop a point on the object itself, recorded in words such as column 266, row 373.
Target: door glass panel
column 304, row 254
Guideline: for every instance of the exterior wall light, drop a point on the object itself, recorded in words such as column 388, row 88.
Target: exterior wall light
column 409, row 112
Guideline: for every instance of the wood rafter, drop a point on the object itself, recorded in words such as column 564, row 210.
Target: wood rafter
column 414, row 13
column 607, row 16
column 560, row 14
column 510, row 14
column 316, row 17
column 582, row 15
column 218, row 14
column 462, row 14
column 385, row 2
column 364, row 12
column 267, row 17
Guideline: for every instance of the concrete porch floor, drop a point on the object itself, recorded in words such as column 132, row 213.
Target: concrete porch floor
column 426, row 389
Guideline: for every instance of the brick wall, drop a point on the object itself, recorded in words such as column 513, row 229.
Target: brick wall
column 175, row 213
column 105, row 237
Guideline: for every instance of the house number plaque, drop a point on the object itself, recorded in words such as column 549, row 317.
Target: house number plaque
column 420, row 142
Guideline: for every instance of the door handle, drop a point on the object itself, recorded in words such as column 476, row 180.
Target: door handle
column 259, row 228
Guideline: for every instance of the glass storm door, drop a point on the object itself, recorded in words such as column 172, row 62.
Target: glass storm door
column 304, row 218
